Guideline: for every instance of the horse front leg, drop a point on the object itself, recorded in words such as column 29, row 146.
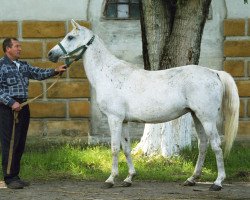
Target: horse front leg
column 115, row 125
column 126, row 146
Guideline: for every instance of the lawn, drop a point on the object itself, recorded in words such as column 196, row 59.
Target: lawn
column 47, row 162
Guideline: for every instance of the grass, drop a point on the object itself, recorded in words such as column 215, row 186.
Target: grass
column 94, row 163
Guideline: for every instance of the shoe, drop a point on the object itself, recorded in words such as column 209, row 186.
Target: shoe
column 15, row 185
column 24, row 183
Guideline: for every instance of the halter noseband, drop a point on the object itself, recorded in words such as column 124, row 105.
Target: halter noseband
column 69, row 55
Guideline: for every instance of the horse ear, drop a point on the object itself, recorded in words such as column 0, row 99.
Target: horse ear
column 74, row 24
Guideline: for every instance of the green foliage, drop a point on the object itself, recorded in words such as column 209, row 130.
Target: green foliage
column 94, row 163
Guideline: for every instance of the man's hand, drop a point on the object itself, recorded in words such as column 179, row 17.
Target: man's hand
column 16, row 106
column 60, row 69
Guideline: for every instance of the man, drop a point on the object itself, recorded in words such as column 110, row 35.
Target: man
column 14, row 81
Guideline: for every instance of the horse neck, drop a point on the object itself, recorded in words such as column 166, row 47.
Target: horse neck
column 98, row 60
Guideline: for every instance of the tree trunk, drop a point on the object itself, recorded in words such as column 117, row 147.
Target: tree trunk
column 171, row 36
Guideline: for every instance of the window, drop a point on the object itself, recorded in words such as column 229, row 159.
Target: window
column 122, row 9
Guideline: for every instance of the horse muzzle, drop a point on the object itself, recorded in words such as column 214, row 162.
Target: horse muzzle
column 53, row 57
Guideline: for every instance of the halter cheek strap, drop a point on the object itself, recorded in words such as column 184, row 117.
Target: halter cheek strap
column 70, row 55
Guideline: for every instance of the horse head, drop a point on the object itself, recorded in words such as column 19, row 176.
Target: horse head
column 73, row 44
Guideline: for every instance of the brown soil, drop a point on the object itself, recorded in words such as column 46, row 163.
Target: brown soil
column 90, row 190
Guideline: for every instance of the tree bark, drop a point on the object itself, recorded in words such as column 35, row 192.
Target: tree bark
column 171, row 36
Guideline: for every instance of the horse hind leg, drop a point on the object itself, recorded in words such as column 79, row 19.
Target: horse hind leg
column 126, row 146
column 202, row 145
column 211, row 131
column 215, row 142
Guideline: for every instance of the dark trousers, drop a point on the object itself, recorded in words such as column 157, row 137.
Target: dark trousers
column 12, row 154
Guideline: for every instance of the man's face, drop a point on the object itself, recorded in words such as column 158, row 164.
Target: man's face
column 14, row 52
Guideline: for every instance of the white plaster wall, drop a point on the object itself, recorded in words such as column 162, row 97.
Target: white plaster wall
column 122, row 37
column 43, row 9
column 211, row 54
column 237, row 9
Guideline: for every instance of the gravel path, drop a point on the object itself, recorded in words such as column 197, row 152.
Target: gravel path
column 90, row 190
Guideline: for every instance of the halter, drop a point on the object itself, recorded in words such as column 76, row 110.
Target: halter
column 70, row 55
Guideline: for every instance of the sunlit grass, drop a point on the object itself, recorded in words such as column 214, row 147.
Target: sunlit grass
column 94, row 163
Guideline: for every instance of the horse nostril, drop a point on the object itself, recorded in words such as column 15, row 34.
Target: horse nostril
column 50, row 54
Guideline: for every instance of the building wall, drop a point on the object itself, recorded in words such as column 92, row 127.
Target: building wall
column 53, row 17
column 237, row 63
column 66, row 109
column 43, row 10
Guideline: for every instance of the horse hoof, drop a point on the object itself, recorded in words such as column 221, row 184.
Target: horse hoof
column 107, row 185
column 215, row 188
column 188, row 183
column 126, row 184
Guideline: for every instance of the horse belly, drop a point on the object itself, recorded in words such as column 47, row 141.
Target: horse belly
column 155, row 113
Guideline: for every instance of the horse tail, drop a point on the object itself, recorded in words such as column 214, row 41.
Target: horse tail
column 231, row 105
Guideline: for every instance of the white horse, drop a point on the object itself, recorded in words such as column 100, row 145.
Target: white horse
column 125, row 93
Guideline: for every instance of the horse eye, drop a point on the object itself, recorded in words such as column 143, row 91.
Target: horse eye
column 70, row 37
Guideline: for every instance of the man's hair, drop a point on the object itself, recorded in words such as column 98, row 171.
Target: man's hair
column 8, row 43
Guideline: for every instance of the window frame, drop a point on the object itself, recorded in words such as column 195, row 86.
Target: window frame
column 116, row 3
